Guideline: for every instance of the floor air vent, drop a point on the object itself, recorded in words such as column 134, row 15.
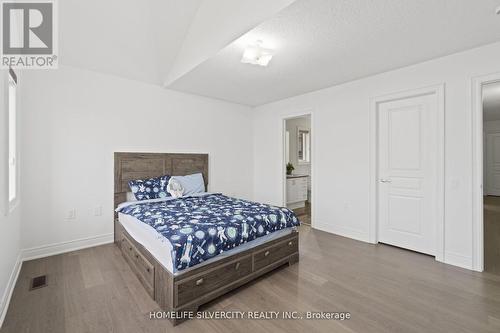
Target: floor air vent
column 38, row 282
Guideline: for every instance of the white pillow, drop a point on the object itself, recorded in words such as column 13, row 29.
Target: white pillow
column 131, row 196
column 192, row 184
column 175, row 188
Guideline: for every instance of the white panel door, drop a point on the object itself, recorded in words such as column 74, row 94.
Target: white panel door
column 407, row 172
column 493, row 164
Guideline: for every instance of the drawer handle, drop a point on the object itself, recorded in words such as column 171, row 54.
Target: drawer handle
column 137, row 256
column 290, row 243
column 266, row 253
column 199, row 282
column 237, row 266
column 130, row 248
column 148, row 270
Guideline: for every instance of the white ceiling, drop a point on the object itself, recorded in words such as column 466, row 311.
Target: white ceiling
column 320, row 43
column 216, row 24
column 491, row 101
column 196, row 45
column 134, row 39
column 153, row 40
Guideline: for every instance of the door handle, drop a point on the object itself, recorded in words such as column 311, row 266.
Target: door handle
column 385, row 180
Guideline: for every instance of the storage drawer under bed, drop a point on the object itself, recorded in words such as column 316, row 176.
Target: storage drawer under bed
column 144, row 270
column 275, row 253
column 218, row 277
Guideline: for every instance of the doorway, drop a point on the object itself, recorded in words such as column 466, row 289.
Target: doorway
column 408, row 170
column 491, row 176
column 298, row 166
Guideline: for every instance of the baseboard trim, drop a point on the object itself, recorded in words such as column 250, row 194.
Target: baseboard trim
column 63, row 247
column 341, row 231
column 4, row 305
column 450, row 258
column 459, row 260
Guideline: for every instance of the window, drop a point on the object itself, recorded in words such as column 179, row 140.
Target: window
column 304, row 146
column 12, row 138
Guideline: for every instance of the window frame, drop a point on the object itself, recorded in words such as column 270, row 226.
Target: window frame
column 12, row 81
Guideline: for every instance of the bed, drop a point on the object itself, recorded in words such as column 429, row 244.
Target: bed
column 188, row 251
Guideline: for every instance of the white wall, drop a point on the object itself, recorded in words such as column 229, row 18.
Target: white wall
column 73, row 122
column 341, row 146
column 9, row 256
column 10, row 241
column 10, row 222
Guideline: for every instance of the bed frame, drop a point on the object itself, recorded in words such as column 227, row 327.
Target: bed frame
column 199, row 285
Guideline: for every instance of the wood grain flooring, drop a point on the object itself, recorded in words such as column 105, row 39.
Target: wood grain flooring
column 385, row 289
column 492, row 234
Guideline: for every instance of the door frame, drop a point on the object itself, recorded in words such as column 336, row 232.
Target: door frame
column 284, row 118
column 477, row 168
column 439, row 91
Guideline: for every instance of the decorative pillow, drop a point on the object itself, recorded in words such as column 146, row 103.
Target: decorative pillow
column 152, row 188
column 192, row 184
column 174, row 188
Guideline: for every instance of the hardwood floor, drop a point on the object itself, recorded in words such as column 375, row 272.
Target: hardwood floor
column 385, row 289
column 492, row 234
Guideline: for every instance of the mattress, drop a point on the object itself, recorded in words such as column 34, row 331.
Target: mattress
column 198, row 228
column 161, row 248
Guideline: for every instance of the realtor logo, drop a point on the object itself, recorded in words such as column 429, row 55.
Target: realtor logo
column 29, row 34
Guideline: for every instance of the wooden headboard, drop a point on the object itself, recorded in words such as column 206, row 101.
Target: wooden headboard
column 130, row 166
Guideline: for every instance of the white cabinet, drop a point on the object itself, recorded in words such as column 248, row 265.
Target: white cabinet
column 296, row 191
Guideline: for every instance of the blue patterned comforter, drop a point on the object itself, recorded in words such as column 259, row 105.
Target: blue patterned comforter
column 201, row 227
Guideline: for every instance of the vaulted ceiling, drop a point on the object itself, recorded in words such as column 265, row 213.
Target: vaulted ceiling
column 195, row 46
column 155, row 41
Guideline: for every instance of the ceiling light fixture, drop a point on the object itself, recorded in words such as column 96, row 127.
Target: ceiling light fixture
column 257, row 55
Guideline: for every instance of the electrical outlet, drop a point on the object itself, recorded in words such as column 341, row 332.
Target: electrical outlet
column 71, row 214
column 98, row 211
